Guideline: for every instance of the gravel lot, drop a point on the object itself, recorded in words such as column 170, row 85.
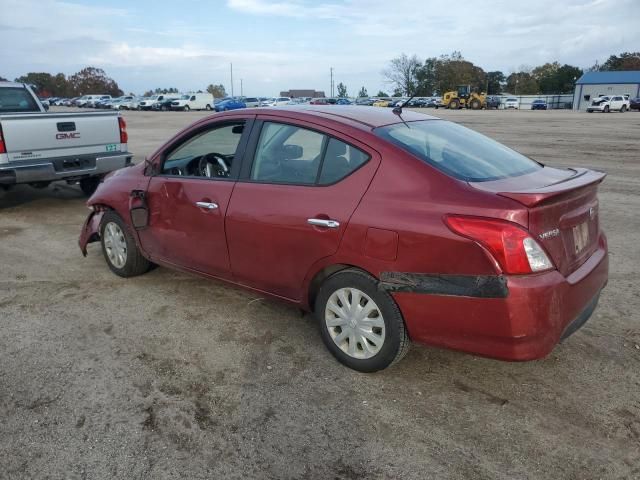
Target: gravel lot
column 171, row 376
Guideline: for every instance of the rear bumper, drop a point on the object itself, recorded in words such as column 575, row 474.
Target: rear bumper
column 535, row 315
column 64, row 168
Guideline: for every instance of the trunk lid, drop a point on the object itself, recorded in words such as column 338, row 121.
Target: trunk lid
column 563, row 210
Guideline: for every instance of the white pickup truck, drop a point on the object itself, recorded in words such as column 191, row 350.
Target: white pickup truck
column 608, row 103
column 38, row 148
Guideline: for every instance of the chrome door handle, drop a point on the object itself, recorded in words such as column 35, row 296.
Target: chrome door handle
column 320, row 222
column 207, row 205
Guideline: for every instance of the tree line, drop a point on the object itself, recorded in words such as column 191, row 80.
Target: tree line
column 86, row 81
column 409, row 75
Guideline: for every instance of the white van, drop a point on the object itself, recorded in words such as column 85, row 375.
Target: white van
column 148, row 102
column 90, row 100
column 193, row 101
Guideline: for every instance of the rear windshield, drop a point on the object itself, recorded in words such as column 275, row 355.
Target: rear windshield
column 458, row 151
column 17, row 99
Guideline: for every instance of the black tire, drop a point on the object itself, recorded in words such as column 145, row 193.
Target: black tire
column 164, row 108
column 606, row 109
column 186, row 108
column 454, row 104
column 623, row 109
column 396, row 342
column 208, row 107
column 89, row 185
column 475, row 104
column 136, row 263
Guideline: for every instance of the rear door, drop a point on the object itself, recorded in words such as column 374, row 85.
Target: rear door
column 188, row 199
column 297, row 191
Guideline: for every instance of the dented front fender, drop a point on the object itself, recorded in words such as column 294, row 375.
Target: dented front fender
column 90, row 230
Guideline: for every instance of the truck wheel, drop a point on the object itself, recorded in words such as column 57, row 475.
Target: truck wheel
column 623, row 109
column 475, row 104
column 606, row 109
column 186, row 108
column 454, row 104
column 119, row 247
column 89, row 185
column 360, row 325
column 208, row 107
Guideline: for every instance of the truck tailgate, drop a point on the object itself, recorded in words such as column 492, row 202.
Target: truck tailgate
column 37, row 136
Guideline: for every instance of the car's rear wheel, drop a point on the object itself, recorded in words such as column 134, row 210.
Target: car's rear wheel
column 360, row 325
column 186, row 108
column 623, row 109
column 119, row 247
column 208, row 107
column 606, row 109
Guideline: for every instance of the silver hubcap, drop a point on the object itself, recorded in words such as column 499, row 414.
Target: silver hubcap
column 355, row 323
column 115, row 245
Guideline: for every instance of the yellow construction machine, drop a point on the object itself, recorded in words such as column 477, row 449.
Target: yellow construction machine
column 464, row 97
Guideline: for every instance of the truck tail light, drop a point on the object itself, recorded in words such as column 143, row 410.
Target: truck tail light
column 3, row 147
column 124, row 137
column 511, row 245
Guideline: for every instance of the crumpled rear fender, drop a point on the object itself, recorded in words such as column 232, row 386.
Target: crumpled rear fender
column 90, row 230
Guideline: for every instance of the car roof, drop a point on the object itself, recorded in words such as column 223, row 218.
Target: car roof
column 368, row 117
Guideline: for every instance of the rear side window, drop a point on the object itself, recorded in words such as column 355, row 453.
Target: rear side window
column 458, row 151
column 17, row 99
column 294, row 155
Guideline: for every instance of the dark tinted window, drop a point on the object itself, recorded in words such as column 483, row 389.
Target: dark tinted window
column 17, row 99
column 458, row 151
column 340, row 160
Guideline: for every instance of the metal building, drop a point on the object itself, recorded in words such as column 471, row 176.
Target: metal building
column 593, row 84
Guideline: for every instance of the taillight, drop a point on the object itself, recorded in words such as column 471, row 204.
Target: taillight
column 3, row 147
column 124, row 137
column 511, row 245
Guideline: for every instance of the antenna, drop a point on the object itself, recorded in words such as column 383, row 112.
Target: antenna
column 398, row 110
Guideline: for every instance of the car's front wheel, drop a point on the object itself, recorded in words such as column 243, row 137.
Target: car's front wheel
column 361, row 325
column 119, row 247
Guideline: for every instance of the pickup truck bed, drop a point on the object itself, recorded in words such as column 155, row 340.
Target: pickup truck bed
column 37, row 147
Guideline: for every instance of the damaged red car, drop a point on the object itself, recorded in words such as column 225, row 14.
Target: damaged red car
column 392, row 227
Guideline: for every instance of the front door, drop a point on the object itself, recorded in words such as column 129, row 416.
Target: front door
column 291, row 208
column 188, row 198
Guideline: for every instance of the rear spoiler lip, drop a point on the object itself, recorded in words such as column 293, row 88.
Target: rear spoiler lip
column 536, row 196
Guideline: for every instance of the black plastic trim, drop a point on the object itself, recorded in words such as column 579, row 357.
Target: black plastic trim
column 581, row 319
column 481, row 286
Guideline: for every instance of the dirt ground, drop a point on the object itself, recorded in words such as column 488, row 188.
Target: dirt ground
column 172, row 376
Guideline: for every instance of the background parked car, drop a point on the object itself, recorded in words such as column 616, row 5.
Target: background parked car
column 229, row 104
column 493, row 101
column 251, row 102
column 539, row 104
column 382, row 102
column 133, row 104
column 148, row 102
column 165, row 104
column 608, row 103
column 91, row 103
column 634, row 104
column 512, row 102
column 193, row 101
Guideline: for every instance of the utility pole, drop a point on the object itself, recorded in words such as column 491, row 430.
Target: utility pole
column 331, row 70
column 231, row 79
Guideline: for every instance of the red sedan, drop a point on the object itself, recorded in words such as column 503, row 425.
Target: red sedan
column 390, row 227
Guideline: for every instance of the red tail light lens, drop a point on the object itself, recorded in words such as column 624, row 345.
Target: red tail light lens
column 124, row 137
column 511, row 245
column 3, row 147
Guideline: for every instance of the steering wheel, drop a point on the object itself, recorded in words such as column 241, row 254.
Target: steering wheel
column 213, row 165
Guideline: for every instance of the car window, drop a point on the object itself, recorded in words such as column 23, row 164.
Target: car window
column 17, row 99
column 208, row 154
column 458, row 151
column 287, row 154
column 339, row 161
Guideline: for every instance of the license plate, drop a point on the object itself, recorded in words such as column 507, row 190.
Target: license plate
column 112, row 147
column 580, row 236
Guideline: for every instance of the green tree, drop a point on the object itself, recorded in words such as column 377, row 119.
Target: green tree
column 555, row 78
column 363, row 92
column 2, row 79
column 397, row 92
column 402, row 73
column 342, row 90
column 217, row 91
column 43, row 83
column 495, row 80
column 624, row 61
column 445, row 73
column 93, row 80
column 522, row 83
column 381, row 94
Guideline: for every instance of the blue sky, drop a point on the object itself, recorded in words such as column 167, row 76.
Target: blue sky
column 282, row 44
